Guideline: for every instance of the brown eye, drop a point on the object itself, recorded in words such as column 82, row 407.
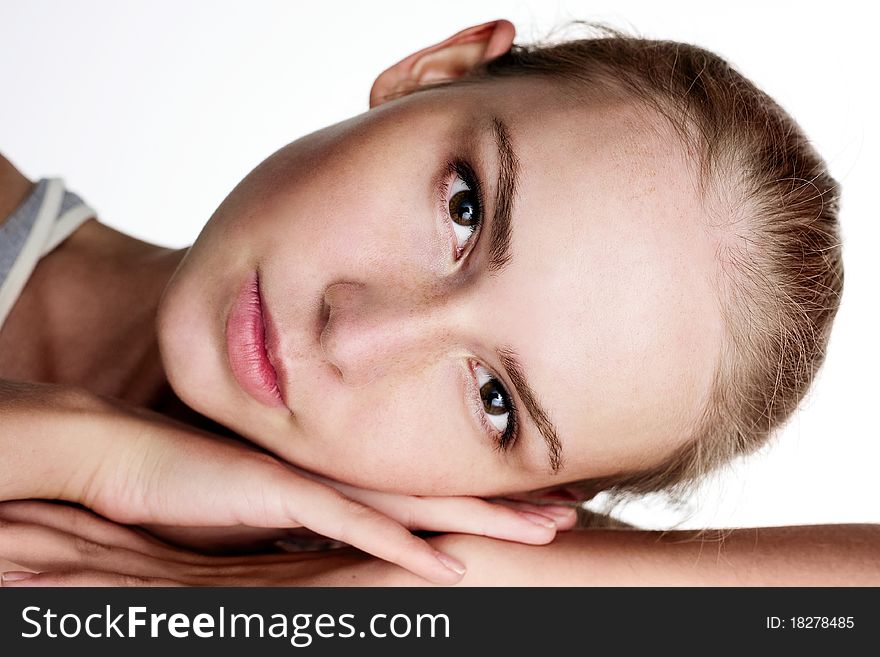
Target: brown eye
column 464, row 211
column 495, row 400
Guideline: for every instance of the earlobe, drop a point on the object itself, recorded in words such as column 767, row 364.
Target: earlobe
column 446, row 60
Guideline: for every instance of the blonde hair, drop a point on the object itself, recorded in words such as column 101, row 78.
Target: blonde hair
column 780, row 274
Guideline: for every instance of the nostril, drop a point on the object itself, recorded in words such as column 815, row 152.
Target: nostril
column 333, row 300
column 347, row 335
column 330, row 362
column 323, row 333
column 323, row 315
column 326, row 337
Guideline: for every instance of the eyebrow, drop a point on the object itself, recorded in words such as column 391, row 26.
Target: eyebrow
column 539, row 416
column 508, row 168
column 499, row 256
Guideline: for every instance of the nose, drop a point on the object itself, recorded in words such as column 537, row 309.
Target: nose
column 371, row 331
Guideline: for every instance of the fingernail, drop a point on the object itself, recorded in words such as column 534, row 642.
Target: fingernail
column 559, row 510
column 15, row 576
column 452, row 564
column 538, row 519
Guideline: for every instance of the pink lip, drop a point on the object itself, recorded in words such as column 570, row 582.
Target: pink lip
column 246, row 346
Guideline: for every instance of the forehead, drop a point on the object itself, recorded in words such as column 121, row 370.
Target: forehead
column 608, row 297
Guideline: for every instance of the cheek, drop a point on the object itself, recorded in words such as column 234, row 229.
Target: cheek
column 409, row 435
column 356, row 200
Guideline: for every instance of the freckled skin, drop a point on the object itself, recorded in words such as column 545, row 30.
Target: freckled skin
column 607, row 298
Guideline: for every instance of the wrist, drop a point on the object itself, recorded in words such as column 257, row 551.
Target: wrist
column 49, row 445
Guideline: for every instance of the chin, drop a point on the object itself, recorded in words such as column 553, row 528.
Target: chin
column 187, row 347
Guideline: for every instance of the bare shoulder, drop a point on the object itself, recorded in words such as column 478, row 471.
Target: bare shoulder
column 14, row 188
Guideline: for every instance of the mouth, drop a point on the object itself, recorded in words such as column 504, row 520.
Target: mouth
column 251, row 341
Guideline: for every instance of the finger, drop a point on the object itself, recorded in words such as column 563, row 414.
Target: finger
column 478, row 516
column 47, row 549
column 565, row 516
column 468, row 515
column 22, row 579
column 261, row 492
column 328, row 512
column 86, row 525
column 435, row 514
column 472, row 515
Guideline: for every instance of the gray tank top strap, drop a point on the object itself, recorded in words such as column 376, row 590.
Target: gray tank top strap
column 43, row 220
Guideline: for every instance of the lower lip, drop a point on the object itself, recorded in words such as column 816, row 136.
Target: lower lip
column 246, row 347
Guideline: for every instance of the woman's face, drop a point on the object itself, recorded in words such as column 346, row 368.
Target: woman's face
column 479, row 289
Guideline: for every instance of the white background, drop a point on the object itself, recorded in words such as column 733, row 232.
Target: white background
column 152, row 111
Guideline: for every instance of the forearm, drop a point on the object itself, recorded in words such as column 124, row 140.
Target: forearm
column 819, row 555
column 44, row 432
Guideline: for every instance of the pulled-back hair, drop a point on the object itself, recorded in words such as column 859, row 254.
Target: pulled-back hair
column 766, row 192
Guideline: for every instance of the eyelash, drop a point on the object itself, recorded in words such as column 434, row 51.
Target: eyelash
column 504, row 440
column 462, row 169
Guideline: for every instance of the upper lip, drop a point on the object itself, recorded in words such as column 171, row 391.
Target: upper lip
column 273, row 347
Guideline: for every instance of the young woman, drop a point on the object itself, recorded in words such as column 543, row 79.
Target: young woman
column 607, row 264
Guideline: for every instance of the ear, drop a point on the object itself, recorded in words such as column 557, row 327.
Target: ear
column 446, row 60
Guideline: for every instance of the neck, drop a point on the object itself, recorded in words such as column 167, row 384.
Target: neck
column 87, row 318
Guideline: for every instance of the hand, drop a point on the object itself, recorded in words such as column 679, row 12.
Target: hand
column 175, row 474
column 45, row 544
column 72, row 547
column 136, row 466
column 458, row 514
